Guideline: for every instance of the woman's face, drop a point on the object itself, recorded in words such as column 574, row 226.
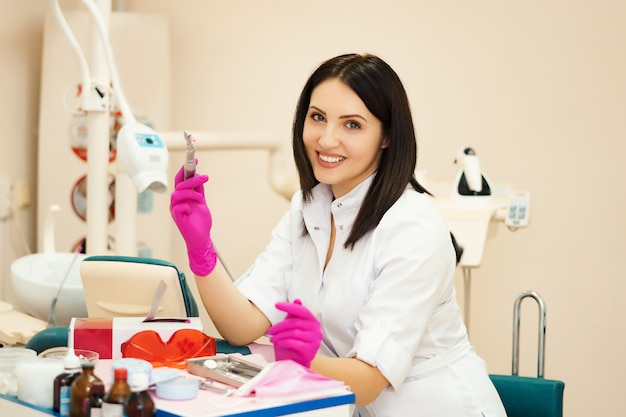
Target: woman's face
column 343, row 140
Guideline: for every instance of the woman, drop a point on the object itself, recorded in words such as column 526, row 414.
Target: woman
column 362, row 263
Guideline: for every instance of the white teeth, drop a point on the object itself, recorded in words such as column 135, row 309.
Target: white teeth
column 331, row 159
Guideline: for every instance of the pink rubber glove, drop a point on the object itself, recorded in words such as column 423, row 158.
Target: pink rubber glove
column 298, row 336
column 192, row 216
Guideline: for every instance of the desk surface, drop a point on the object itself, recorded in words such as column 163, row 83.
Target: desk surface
column 336, row 406
column 337, row 403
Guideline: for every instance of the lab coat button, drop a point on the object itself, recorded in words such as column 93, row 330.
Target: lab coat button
column 340, row 227
column 316, row 228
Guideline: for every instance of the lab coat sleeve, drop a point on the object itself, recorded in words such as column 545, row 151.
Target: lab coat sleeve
column 414, row 264
column 267, row 280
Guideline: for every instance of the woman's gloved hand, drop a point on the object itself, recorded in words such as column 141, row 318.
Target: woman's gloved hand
column 192, row 216
column 298, row 336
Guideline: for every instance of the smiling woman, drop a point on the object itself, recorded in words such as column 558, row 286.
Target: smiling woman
column 357, row 281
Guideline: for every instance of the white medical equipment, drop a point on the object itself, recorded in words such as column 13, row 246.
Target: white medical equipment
column 47, row 284
column 283, row 184
column 143, row 156
column 470, row 180
column 471, row 205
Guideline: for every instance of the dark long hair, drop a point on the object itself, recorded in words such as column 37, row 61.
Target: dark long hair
column 382, row 92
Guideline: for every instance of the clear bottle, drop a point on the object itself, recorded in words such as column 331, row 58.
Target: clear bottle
column 139, row 402
column 113, row 405
column 86, row 393
column 63, row 383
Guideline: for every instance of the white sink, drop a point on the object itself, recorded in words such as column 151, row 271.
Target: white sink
column 36, row 279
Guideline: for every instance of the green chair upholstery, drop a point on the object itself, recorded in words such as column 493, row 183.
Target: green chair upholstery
column 530, row 397
column 48, row 338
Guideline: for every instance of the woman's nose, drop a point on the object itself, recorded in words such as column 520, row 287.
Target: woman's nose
column 328, row 137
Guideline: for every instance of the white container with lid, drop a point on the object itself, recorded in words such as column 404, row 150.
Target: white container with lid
column 35, row 380
column 9, row 359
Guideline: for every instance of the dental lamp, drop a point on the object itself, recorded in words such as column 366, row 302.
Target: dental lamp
column 470, row 181
column 143, row 156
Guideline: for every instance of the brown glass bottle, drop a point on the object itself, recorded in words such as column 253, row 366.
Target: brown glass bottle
column 139, row 402
column 96, row 398
column 86, row 393
column 63, row 384
column 113, row 405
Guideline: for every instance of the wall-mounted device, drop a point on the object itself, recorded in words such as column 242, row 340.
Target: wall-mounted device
column 144, row 156
column 473, row 202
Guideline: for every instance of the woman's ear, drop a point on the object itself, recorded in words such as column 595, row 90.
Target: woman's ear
column 385, row 143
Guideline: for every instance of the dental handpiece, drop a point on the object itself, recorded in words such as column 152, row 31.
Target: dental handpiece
column 189, row 169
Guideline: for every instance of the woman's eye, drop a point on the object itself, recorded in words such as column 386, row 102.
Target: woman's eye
column 317, row 117
column 353, row 125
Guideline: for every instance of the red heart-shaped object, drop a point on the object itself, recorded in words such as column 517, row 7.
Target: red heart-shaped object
column 182, row 345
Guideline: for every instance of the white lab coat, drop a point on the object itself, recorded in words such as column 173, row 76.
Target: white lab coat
column 390, row 301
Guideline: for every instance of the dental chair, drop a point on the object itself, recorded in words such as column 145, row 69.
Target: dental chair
column 528, row 396
column 123, row 286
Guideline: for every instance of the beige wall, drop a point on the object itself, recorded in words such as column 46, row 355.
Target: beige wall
column 536, row 87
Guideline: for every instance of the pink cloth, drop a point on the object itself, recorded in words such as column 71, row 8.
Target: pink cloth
column 287, row 379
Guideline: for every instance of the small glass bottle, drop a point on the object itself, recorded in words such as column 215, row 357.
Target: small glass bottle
column 113, row 405
column 139, row 402
column 63, row 383
column 86, row 392
column 96, row 398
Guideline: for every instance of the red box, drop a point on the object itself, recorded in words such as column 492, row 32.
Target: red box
column 106, row 335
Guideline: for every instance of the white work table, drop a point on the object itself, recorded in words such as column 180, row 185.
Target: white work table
column 337, row 403
column 334, row 406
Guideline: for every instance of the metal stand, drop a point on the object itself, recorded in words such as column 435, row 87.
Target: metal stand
column 542, row 331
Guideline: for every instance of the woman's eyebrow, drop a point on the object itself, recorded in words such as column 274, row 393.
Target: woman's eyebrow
column 353, row 116
column 317, row 109
column 345, row 116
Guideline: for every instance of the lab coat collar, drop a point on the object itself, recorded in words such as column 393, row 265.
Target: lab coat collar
column 322, row 193
column 317, row 211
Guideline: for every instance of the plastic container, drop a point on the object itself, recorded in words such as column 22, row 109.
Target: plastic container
column 132, row 365
column 83, row 355
column 9, row 359
column 35, row 380
column 178, row 389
